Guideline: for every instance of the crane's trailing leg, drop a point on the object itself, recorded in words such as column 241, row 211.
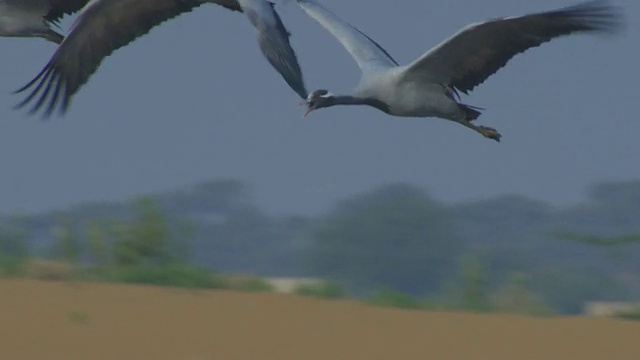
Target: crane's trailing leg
column 471, row 113
column 489, row 133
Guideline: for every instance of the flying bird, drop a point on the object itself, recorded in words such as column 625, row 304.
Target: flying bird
column 107, row 25
column 34, row 18
column 430, row 85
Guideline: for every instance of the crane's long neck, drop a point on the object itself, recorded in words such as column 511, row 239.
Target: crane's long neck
column 355, row 100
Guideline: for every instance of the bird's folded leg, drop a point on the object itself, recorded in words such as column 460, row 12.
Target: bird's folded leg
column 489, row 133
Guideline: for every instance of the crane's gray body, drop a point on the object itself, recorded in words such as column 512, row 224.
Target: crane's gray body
column 428, row 86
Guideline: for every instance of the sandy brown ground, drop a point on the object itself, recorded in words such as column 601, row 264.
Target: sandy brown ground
column 51, row 321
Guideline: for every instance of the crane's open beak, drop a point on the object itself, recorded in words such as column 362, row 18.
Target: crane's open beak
column 311, row 107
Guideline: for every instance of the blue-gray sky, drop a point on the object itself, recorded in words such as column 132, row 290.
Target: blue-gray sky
column 194, row 100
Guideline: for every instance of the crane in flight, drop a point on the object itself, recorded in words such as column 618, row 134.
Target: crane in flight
column 104, row 26
column 430, row 85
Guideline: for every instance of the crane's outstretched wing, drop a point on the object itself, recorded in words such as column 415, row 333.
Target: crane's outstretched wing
column 362, row 48
column 273, row 39
column 469, row 57
column 107, row 25
column 103, row 27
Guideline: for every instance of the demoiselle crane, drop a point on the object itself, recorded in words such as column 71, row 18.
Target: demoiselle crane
column 429, row 86
column 34, row 18
column 106, row 25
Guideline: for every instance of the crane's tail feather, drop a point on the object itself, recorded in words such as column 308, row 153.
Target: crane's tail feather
column 470, row 112
column 53, row 36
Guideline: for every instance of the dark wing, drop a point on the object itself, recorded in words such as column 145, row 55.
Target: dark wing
column 60, row 8
column 103, row 27
column 476, row 52
column 273, row 39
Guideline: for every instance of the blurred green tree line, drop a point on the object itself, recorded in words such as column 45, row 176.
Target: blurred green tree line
column 394, row 243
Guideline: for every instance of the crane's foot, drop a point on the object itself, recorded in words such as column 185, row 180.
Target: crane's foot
column 489, row 133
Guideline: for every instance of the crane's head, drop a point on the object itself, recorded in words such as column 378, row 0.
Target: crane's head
column 317, row 100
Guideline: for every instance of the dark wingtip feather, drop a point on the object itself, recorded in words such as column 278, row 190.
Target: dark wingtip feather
column 51, row 106
column 41, row 87
column 30, row 97
column 595, row 16
column 43, row 72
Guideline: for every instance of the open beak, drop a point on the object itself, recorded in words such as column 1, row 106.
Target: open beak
column 308, row 111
